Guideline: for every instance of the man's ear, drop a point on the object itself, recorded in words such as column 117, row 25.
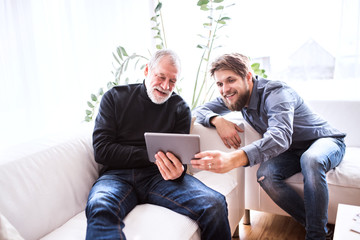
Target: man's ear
column 146, row 70
column 249, row 76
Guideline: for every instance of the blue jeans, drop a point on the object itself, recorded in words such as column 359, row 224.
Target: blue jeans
column 117, row 192
column 311, row 211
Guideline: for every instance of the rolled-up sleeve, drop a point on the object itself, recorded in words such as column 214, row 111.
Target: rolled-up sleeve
column 278, row 117
column 209, row 110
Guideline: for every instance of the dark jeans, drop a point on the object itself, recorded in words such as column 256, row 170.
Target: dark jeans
column 311, row 211
column 117, row 192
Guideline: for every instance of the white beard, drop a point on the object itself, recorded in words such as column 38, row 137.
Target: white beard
column 157, row 99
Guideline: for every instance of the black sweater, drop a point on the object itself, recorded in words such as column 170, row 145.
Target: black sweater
column 125, row 114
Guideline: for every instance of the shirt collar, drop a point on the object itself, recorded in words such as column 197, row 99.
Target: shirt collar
column 254, row 98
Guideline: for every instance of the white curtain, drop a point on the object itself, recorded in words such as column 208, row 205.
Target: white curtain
column 54, row 54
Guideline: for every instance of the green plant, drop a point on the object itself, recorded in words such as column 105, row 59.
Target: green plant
column 258, row 71
column 203, row 89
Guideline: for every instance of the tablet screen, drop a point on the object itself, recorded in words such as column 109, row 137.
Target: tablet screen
column 183, row 146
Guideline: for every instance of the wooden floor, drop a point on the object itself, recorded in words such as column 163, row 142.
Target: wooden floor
column 270, row 227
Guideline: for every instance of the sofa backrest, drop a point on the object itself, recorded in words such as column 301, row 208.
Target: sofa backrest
column 343, row 115
column 45, row 183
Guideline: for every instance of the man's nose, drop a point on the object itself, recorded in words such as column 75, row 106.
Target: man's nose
column 165, row 84
column 225, row 88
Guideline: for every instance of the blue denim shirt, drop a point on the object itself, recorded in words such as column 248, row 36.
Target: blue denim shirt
column 279, row 114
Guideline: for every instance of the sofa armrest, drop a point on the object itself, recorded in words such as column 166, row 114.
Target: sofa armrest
column 46, row 182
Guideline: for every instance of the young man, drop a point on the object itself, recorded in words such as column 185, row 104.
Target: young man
column 295, row 139
column 129, row 178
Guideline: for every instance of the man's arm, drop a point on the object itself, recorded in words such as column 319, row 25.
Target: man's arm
column 278, row 136
column 107, row 150
column 280, row 109
column 220, row 162
column 206, row 112
column 209, row 115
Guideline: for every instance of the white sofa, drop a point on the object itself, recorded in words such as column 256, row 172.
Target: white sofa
column 343, row 181
column 44, row 184
column 44, row 187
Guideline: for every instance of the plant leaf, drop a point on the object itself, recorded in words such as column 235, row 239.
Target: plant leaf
column 255, row 66
column 116, row 58
column 90, row 105
column 204, row 8
column 225, row 18
column 158, row 7
column 93, row 97
column 109, row 85
column 218, row 1
column 124, row 52
column 202, row 2
column 202, row 46
column 219, row 8
column 118, row 50
column 101, row 92
column 88, row 112
column 257, row 71
column 126, row 65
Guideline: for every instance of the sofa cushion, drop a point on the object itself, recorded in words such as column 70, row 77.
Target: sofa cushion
column 159, row 223
column 347, row 173
column 155, row 222
column 74, row 229
column 344, row 175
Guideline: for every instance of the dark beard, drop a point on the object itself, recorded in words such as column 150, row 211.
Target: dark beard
column 240, row 103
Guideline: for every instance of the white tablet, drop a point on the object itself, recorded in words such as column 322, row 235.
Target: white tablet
column 183, row 146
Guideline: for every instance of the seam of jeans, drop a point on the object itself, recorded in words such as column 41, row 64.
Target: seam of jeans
column 119, row 225
column 180, row 205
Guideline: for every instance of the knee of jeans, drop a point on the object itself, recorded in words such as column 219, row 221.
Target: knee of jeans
column 96, row 204
column 312, row 161
column 262, row 174
column 218, row 202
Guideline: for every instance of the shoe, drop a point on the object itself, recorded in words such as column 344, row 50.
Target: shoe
column 330, row 231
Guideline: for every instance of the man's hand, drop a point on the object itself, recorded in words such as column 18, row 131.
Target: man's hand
column 169, row 166
column 228, row 131
column 220, row 162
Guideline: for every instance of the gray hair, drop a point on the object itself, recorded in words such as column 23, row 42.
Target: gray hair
column 162, row 53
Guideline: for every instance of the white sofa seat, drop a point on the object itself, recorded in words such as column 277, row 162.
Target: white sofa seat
column 44, row 187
